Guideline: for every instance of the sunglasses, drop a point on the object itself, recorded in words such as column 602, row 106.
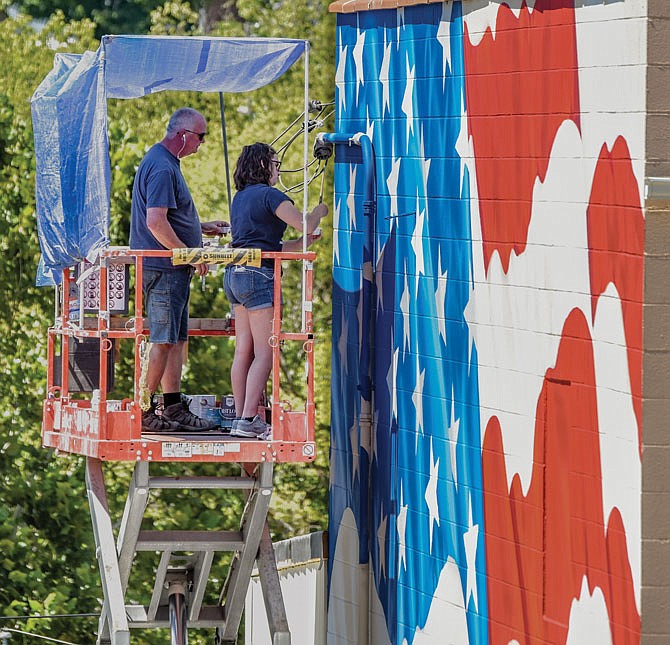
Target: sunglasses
column 276, row 162
column 201, row 135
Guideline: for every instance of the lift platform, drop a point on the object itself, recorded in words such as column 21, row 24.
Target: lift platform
column 88, row 423
column 108, row 430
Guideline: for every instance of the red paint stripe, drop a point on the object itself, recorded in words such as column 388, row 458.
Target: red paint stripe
column 520, row 86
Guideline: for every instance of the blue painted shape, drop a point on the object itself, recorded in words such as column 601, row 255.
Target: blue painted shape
column 425, row 366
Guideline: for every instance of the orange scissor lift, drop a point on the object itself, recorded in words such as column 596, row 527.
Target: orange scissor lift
column 103, row 430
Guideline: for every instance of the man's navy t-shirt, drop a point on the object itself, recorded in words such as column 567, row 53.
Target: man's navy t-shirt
column 252, row 218
column 159, row 183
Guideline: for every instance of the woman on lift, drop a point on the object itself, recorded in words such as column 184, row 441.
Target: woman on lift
column 259, row 216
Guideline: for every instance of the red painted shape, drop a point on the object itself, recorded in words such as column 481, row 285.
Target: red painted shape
column 520, row 86
column 540, row 546
column 616, row 251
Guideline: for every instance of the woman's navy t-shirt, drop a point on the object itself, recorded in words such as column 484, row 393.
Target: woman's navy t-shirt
column 252, row 218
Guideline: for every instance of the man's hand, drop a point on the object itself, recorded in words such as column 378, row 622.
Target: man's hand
column 215, row 227
column 201, row 269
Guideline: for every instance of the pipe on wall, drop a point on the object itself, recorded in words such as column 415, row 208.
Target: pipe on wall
column 365, row 366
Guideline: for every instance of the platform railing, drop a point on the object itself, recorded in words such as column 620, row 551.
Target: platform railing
column 92, row 427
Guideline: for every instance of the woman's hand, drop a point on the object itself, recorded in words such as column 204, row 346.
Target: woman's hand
column 296, row 244
column 320, row 211
column 288, row 213
column 316, row 235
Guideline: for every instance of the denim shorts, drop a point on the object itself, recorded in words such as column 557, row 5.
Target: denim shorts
column 166, row 295
column 250, row 287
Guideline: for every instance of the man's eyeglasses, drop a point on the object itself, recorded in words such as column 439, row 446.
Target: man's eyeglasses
column 276, row 162
column 201, row 135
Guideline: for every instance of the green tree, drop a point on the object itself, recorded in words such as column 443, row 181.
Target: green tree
column 46, row 543
column 111, row 17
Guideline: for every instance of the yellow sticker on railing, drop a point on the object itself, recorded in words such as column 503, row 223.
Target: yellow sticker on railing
column 211, row 255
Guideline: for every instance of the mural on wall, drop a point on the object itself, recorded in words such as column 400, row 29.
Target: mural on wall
column 495, row 495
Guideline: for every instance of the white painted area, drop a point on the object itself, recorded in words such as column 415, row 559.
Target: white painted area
column 553, row 272
column 481, row 15
column 444, row 37
column 339, row 78
column 430, row 496
column 446, row 623
column 358, row 61
column 612, row 58
column 589, row 622
column 516, row 318
column 619, row 453
column 346, row 586
column 471, row 542
column 379, row 634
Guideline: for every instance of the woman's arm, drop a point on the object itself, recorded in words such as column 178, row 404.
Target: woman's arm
column 296, row 245
column 288, row 213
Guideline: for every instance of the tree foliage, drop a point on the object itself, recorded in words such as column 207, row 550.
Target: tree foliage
column 47, row 555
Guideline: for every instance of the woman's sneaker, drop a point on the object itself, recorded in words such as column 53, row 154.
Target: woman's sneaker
column 255, row 428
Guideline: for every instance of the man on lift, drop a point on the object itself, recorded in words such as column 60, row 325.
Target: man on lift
column 163, row 216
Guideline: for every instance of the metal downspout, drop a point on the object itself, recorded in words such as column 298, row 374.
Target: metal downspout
column 365, row 367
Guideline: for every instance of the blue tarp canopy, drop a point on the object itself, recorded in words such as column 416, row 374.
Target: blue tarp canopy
column 69, row 110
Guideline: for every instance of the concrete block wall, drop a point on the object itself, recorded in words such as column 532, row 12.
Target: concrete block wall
column 655, row 594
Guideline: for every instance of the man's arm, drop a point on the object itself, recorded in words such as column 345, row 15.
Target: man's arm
column 160, row 228
column 157, row 223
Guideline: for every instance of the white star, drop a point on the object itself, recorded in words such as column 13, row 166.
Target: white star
column 384, row 78
column 417, row 243
column 336, row 232
column 339, row 80
column 408, row 100
column 463, row 141
column 470, row 539
column 404, row 308
column 441, row 298
column 391, row 384
column 425, row 166
column 401, row 20
column 401, row 525
column 392, row 184
column 468, row 309
column 381, row 539
column 358, row 61
column 452, row 433
column 351, row 197
column 370, row 125
column 417, row 400
column 443, row 36
column 431, row 495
